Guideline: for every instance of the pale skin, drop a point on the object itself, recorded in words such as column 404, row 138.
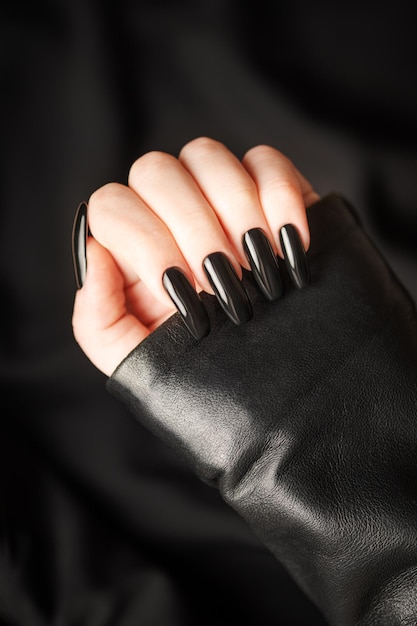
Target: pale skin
column 174, row 212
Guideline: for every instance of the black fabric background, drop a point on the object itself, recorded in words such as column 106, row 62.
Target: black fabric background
column 100, row 523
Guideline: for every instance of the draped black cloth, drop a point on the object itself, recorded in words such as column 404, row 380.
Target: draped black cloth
column 100, row 522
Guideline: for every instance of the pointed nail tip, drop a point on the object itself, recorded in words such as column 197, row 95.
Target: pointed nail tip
column 200, row 333
column 272, row 297
column 302, row 281
column 245, row 315
column 271, row 289
column 199, row 326
column 197, row 329
column 238, row 319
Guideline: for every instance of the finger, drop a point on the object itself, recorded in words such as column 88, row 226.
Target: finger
column 282, row 191
column 229, row 189
column 146, row 253
column 102, row 326
column 169, row 190
column 139, row 241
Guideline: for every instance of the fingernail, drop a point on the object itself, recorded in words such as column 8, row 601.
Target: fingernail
column 79, row 244
column 228, row 288
column 263, row 263
column 187, row 301
column 294, row 255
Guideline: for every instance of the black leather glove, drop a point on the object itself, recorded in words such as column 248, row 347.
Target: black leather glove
column 305, row 418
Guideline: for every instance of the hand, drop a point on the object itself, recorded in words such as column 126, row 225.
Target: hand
column 175, row 213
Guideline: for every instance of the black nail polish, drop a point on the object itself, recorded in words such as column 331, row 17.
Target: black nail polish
column 294, row 256
column 229, row 290
column 79, row 244
column 187, row 301
column 263, row 263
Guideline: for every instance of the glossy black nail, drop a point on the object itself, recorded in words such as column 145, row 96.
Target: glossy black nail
column 187, row 302
column 79, row 244
column 229, row 290
column 263, row 263
column 294, row 255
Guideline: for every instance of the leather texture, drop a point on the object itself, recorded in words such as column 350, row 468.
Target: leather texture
column 304, row 418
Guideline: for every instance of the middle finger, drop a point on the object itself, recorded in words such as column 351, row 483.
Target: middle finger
column 169, row 190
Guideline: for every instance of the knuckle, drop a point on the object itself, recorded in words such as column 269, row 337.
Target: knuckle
column 284, row 187
column 239, row 196
column 200, row 146
column 261, row 152
column 149, row 164
column 103, row 198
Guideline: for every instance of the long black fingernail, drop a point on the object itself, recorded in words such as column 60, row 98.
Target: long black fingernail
column 79, row 244
column 229, row 290
column 187, row 301
column 263, row 263
column 294, row 255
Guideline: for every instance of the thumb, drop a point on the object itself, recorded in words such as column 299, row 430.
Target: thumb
column 103, row 327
